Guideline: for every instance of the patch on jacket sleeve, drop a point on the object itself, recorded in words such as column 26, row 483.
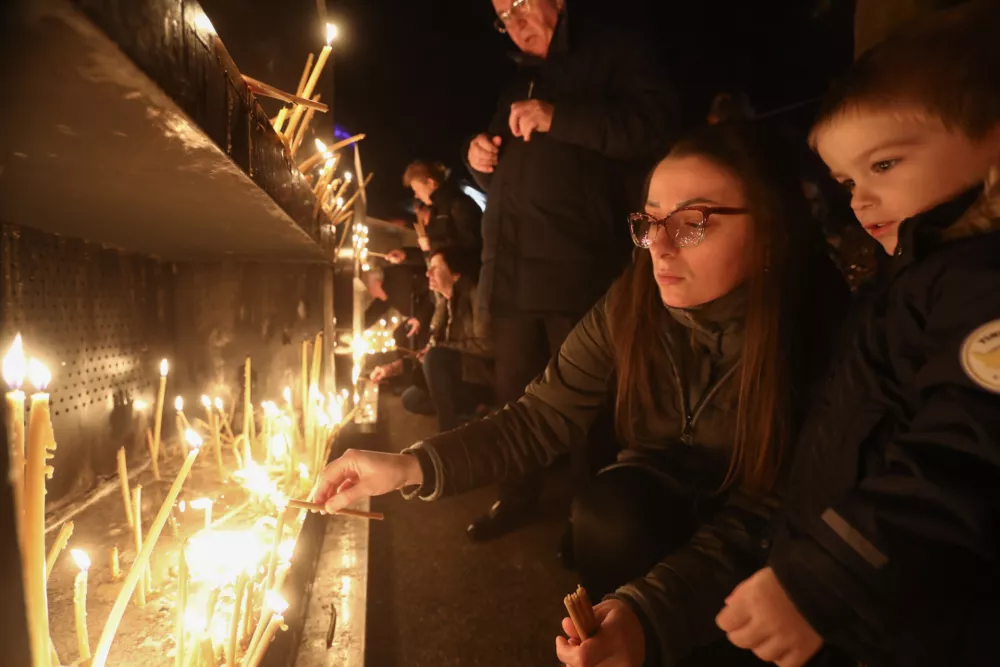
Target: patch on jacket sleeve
column 980, row 356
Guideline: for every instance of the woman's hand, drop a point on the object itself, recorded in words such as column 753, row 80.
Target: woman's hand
column 362, row 474
column 619, row 642
column 396, row 256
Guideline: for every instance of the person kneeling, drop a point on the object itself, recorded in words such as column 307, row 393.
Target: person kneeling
column 457, row 362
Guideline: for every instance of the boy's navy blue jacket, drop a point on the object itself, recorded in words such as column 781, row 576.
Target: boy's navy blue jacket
column 889, row 542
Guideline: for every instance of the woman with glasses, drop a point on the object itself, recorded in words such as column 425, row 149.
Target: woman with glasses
column 706, row 347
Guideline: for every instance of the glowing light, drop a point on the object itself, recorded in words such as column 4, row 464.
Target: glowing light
column 395, row 320
column 320, row 146
column 286, row 549
column 81, row 558
column 340, row 202
column 270, row 408
column 38, row 374
column 139, row 405
column 331, row 33
column 303, row 471
column 348, row 176
column 164, row 368
column 219, row 557
column 287, row 394
column 278, row 446
column 15, row 365
column 255, row 479
column 355, row 373
column 206, row 401
column 179, row 404
column 218, row 403
column 193, row 439
column 201, row 503
column 365, row 267
column 202, row 22
column 276, row 602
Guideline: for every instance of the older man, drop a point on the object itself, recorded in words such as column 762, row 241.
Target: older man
column 561, row 161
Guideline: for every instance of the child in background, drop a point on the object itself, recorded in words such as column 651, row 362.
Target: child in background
column 888, row 550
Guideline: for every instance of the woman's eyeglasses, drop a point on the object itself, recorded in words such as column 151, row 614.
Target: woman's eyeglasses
column 517, row 8
column 685, row 226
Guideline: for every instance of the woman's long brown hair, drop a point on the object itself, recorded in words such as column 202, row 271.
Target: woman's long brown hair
column 784, row 250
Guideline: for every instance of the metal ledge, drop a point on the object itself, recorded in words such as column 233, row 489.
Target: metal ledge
column 125, row 122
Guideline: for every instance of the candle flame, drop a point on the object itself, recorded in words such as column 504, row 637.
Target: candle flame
column 15, row 366
column 206, row 401
column 164, row 368
column 329, row 164
column 303, row 471
column 193, row 439
column 340, row 202
column 348, row 176
column 278, row 446
column 203, row 23
column 81, row 559
column 38, row 374
column 331, row 33
column 276, row 602
column 287, row 394
column 139, row 405
column 320, row 146
column 285, row 550
column 218, row 403
column 270, row 408
column 179, row 404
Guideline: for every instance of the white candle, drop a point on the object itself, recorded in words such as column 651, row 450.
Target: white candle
column 158, row 420
column 80, row 603
column 40, row 440
column 15, row 367
column 142, row 560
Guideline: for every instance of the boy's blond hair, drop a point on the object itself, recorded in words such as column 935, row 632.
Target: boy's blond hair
column 944, row 65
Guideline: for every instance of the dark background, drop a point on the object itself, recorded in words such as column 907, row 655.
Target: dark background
column 420, row 77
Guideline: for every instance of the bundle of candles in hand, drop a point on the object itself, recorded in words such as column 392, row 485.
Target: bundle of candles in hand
column 216, row 582
column 581, row 612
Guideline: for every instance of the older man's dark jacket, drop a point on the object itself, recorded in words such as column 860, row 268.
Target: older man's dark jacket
column 554, row 230
column 890, row 543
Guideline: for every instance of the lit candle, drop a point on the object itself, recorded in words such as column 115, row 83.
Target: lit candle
column 204, row 504
column 234, row 626
column 140, row 595
column 321, row 155
column 275, row 619
column 181, row 606
column 65, row 532
column 116, row 568
column 80, row 603
column 142, row 560
column 278, row 532
column 158, row 419
column 248, row 611
column 123, row 479
column 307, row 91
column 40, row 440
column 223, row 418
column 14, row 368
column 213, row 425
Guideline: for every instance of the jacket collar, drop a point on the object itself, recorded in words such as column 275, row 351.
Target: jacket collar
column 716, row 325
column 975, row 211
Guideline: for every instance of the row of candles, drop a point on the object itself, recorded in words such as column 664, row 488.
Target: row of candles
column 208, row 557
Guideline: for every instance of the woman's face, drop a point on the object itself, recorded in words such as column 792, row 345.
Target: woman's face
column 694, row 275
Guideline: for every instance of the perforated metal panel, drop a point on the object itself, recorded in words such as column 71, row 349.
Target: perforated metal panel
column 100, row 320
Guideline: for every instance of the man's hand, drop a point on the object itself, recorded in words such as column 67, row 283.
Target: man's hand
column 618, row 643
column 484, row 152
column 386, row 371
column 760, row 616
column 396, row 256
column 412, row 327
column 530, row 116
column 359, row 474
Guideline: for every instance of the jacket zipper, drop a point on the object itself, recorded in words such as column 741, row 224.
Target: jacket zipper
column 691, row 417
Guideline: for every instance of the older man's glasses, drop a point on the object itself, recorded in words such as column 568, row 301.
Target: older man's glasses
column 685, row 227
column 517, row 9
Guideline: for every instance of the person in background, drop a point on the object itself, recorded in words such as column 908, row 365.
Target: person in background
column 457, row 362
column 561, row 163
column 707, row 349
column 887, row 549
column 453, row 218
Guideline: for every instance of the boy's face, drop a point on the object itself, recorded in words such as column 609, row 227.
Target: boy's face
column 898, row 164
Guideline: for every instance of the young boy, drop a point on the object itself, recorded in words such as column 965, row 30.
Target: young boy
column 888, row 552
